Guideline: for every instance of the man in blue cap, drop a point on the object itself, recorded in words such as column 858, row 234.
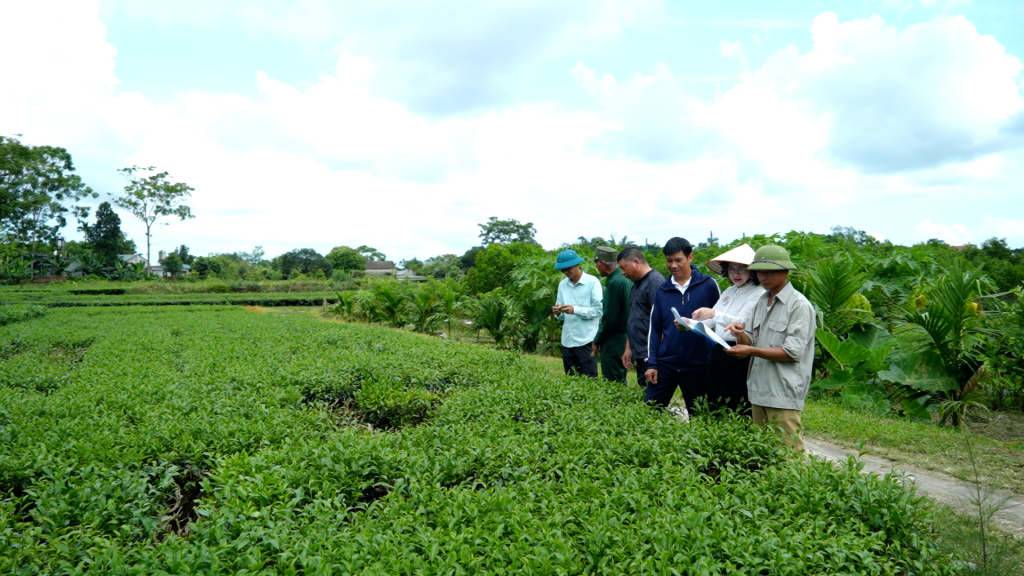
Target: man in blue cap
column 579, row 306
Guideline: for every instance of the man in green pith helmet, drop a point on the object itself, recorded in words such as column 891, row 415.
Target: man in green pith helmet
column 779, row 334
column 610, row 342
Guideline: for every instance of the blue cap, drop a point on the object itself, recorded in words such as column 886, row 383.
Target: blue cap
column 567, row 259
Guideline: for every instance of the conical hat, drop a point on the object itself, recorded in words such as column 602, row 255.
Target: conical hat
column 742, row 254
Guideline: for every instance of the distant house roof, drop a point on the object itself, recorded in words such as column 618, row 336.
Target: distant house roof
column 375, row 265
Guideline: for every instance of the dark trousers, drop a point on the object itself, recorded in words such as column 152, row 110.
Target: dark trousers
column 611, row 358
column 641, row 367
column 728, row 380
column 693, row 384
column 580, row 360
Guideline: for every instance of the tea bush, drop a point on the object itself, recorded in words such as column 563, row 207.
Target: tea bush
column 211, row 440
column 12, row 314
column 66, row 299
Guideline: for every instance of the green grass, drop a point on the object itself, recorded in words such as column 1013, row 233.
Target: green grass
column 959, row 535
column 920, row 444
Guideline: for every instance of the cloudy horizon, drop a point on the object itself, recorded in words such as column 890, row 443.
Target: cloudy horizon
column 313, row 124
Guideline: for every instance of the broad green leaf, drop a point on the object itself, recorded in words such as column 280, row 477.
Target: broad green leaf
column 916, row 406
column 869, row 336
column 836, row 380
column 845, row 352
column 923, row 372
column 893, row 374
column 879, row 356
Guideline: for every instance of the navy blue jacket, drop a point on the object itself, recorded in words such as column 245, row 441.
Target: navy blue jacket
column 670, row 347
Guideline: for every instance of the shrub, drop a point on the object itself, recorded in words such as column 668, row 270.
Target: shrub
column 12, row 314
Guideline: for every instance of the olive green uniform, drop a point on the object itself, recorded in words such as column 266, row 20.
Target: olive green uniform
column 611, row 336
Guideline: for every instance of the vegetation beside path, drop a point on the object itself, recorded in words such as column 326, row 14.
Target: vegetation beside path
column 997, row 440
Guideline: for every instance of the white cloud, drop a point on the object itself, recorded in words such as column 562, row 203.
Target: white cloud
column 58, row 78
column 336, row 160
column 958, row 234
column 866, row 95
column 437, row 57
column 934, row 93
column 953, row 234
column 1000, row 227
column 869, row 110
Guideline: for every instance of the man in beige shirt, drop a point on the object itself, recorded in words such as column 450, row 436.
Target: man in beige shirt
column 779, row 335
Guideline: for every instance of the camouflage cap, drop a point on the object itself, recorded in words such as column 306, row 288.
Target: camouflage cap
column 605, row 254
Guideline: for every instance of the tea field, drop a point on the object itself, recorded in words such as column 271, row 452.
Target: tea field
column 117, row 297
column 213, row 440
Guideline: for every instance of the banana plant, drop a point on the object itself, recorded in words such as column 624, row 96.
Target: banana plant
column 92, row 265
column 14, row 270
column 121, row 271
column 57, row 264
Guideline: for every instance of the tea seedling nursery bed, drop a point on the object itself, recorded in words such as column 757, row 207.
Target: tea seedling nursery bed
column 211, row 440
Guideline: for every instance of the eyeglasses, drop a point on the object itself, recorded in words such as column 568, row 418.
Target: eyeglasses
column 734, row 270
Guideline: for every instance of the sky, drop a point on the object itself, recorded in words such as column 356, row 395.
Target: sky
column 403, row 125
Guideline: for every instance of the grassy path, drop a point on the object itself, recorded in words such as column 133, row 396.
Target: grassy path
column 996, row 442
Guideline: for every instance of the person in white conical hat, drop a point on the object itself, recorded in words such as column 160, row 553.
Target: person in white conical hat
column 728, row 375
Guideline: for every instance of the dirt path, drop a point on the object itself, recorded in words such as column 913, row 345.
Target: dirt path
column 936, row 485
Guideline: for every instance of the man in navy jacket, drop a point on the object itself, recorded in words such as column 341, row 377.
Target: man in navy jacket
column 677, row 357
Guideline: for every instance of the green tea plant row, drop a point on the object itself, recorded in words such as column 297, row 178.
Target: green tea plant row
column 157, row 286
column 68, row 299
column 12, row 314
column 212, row 440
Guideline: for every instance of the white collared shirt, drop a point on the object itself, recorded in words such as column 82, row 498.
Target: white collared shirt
column 681, row 287
column 735, row 305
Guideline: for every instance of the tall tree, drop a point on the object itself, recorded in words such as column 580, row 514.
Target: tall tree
column 443, row 266
column 254, row 258
column 173, row 266
column 371, row 254
column 468, row 260
column 304, row 260
column 345, row 258
column 105, row 236
column 186, row 258
column 496, row 231
column 38, row 187
column 150, row 195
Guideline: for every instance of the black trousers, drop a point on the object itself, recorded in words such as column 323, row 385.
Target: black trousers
column 728, row 381
column 641, row 367
column 580, row 360
column 692, row 383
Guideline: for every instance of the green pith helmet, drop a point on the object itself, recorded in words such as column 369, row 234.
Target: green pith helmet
column 771, row 257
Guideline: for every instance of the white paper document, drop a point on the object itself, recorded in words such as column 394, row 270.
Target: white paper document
column 700, row 328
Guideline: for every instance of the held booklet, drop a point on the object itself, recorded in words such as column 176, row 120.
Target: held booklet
column 699, row 328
